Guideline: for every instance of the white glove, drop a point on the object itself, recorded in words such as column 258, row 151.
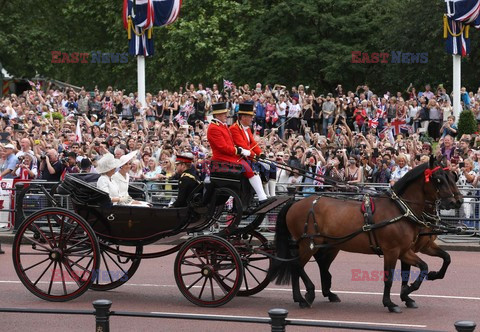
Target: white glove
column 245, row 153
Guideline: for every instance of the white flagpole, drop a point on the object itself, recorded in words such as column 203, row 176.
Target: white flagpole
column 141, row 79
column 457, row 70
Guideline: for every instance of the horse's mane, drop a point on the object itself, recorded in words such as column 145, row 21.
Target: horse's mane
column 401, row 185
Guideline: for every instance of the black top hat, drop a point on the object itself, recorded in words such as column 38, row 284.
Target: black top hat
column 245, row 109
column 219, row 108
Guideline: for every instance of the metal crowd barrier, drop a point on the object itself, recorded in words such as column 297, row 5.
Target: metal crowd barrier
column 163, row 193
column 278, row 319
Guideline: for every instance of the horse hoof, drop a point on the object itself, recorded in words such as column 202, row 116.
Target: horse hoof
column 411, row 304
column 309, row 297
column 334, row 298
column 396, row 309
column 304, row 304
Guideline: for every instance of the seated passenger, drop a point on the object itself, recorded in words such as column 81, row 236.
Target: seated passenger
column 122, row 178
column 107, row 166
column 187, row 181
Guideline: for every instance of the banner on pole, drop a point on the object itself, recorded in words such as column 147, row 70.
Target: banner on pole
column 139, row 18
column 459, row 16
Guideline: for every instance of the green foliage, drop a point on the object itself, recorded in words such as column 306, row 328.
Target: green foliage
column 246, row 41
column 57, row 116
column 466, row 123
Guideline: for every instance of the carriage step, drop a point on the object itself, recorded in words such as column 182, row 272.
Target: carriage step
column 279, row 200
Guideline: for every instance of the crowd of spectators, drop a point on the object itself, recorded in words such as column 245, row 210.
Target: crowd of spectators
column 355, row 136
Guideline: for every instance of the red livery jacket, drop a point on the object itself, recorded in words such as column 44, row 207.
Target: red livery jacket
column 221, row 142
column 240, row 139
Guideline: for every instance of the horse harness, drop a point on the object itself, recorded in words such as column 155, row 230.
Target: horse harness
column 368, row 209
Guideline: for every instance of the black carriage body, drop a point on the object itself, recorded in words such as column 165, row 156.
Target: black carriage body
column 228, row 175
column 124, row 224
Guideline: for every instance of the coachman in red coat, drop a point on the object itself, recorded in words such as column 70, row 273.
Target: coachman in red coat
column 224, row 149
column 241, row 132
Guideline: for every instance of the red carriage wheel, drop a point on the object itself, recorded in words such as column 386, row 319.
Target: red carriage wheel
column 208, row 271
column 118, row 264
column 55, row 253
column 255, row 264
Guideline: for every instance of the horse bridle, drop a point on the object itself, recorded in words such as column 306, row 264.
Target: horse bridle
column 429, row 174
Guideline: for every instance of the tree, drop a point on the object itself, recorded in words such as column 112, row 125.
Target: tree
column 467, row 123
column 246, row 41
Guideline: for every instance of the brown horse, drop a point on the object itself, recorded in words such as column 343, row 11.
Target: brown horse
column 323, row 226
column 425, row 243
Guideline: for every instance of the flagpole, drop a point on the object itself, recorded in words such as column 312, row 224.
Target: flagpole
column 141, row 79
column 457, row 70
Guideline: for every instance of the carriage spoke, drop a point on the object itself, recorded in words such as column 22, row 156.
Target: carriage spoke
column 116, row 263
column 106, row 266
column 195, row 282
column 198, row 256
column 40, row 253
column 253, row 276
column 211, row 288
column 43, row 235
column 71, row 233
column 43, row 273
column 76, row 245
column 51, row 279
column 78, row 265
column 257, row 268
column 63, row 280
column 36, row 264
column 225, row 277
column 73, row 275
column 51, row 231
column 37, row 243
column 188, row 263
column 86, row 268
column 190, row 273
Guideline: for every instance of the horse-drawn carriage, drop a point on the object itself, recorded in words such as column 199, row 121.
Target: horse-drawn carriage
column 59, row 254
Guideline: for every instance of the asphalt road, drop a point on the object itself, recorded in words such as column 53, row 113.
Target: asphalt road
column 153, row 289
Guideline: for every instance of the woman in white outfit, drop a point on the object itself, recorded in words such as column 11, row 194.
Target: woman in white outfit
column 107, row 167
column 122, row 178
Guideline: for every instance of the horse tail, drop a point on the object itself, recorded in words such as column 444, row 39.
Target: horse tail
column 281, row 270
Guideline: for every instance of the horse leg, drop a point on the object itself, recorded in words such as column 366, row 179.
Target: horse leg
column 297, row 272
column 389, row 262
column 405, row 277
column 324, row 259
column 412, row 259
column 434, row 250
column 310, row 294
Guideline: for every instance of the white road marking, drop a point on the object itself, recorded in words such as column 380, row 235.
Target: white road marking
column 471, row 298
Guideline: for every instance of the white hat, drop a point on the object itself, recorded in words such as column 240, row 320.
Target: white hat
column 9, row 146
column 126, row 158
column 107, row 163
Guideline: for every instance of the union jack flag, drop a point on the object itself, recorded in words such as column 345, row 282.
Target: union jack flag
column 141, row 15
column 227, row 84
column 460, row 14
column 387, row 132
column 397, row 124
column 180, row 119
column 373, row 123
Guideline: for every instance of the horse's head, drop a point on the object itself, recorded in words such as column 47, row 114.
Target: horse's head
column 440, row 183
